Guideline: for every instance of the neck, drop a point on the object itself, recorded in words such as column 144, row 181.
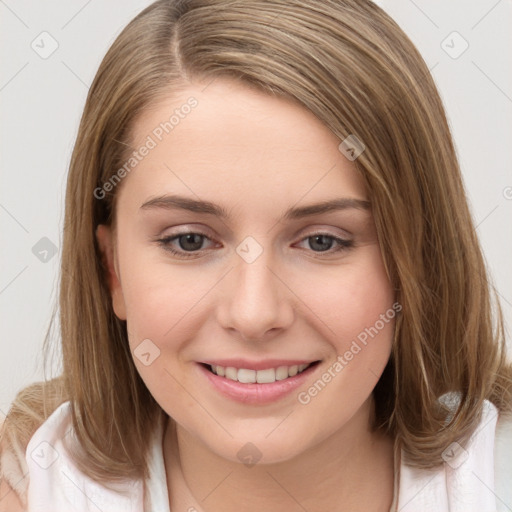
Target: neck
column 351, row 470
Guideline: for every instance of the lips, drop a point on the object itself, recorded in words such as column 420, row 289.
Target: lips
column 256, row 383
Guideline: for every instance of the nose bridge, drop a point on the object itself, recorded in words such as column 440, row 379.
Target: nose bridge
column 255, row 299
column 255, row 281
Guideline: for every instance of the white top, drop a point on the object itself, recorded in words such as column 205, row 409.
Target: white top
column 475, row 479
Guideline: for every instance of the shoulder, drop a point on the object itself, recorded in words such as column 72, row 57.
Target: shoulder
column 473, row 477
column 57, row 480
column 485, row 468
column 16, row 456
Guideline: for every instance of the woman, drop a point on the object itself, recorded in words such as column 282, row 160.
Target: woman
column 326, row 341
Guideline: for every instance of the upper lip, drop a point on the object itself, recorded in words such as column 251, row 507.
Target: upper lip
column 257, row 365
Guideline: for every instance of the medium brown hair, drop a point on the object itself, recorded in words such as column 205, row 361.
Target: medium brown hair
column 351, row 65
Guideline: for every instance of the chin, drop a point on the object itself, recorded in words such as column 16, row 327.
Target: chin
column 252, row 450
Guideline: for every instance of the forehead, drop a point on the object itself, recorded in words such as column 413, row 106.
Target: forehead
column 232, row 142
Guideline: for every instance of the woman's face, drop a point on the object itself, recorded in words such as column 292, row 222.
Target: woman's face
column 263, row 282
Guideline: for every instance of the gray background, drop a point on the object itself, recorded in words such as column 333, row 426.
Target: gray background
column 41, row 100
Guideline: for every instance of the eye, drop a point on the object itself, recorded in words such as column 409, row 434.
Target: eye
column 190, row 243
column 323, row 243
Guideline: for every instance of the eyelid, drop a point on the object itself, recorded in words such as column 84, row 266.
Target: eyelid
column 187, row 229
column 319, row 229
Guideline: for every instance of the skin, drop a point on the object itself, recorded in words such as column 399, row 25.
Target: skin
column 256, row 156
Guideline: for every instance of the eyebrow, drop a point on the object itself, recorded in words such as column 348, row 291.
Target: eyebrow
column 171, row 202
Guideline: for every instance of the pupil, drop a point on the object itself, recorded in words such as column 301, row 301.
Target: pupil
column 194, row 239
column 321, row 246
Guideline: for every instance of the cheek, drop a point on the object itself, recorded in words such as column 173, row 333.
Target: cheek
column 161, row 320
column 157, row 294
column 351, row 298
column 357, row 319
column 163, row 307
column 356, row 309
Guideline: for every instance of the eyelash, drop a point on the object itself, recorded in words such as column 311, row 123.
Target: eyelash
column 165, row 243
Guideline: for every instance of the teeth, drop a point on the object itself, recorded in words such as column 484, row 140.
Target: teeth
column 260, row 376
column 231, row 373
column 246, row 376
column 293, row 370
column 282, row 373
column 265, row 376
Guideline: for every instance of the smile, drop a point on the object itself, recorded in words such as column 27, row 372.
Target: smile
column 260, row 384
column 266, row 376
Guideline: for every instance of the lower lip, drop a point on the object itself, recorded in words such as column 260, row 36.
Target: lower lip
column 255, row 393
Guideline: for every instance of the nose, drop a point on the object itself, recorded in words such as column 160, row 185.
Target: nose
column 255, row 301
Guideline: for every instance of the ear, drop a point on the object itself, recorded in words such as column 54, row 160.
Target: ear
column 105, row 238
